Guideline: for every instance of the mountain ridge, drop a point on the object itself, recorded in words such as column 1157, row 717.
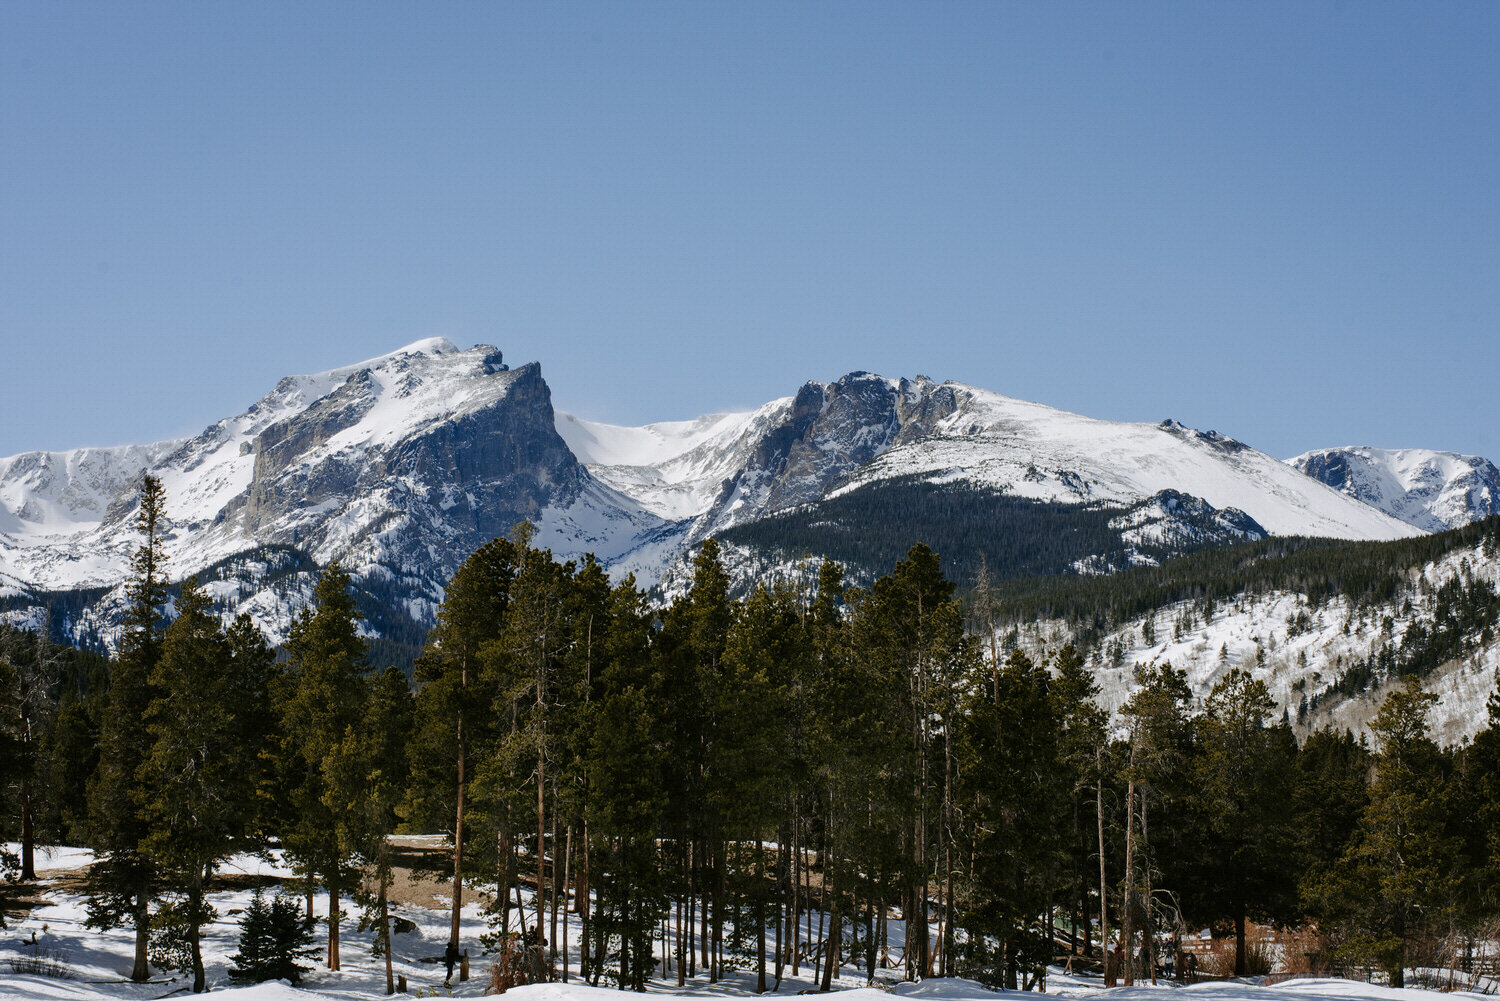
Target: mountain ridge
column 400, row 465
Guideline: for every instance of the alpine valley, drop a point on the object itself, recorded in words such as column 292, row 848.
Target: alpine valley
column 400, row 466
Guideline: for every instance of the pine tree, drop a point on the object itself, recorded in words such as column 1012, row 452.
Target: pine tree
column 323, row 695
column 911, row 625
column 1010, row 755
column 457, row 717
column 1397, row 876
column 122, row 880
column 746, row 770
column 364, row 780
column 200, row 797
column 28, row 707
column 1081, row 747
column 253, row 685
column 273, row 936
column 1159, row 742
column 1245, row 765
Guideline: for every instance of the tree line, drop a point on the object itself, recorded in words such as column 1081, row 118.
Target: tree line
column 764, row 783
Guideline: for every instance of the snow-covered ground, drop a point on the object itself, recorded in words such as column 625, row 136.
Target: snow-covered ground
column 98, row 962
column 1299, row 650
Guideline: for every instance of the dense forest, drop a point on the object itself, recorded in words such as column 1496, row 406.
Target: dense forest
column 725, row 768
column 1013, row 537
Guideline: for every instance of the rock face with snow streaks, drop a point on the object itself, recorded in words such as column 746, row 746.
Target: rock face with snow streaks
column 1431, row 490
column 401, row 465
column 398, row 467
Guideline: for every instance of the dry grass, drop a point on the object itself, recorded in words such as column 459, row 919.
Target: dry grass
column 1260, row 957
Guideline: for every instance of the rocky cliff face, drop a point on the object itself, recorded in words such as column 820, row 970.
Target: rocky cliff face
column 1432, row 490
column 830, row 430
column 402, row 465
column 398, row 467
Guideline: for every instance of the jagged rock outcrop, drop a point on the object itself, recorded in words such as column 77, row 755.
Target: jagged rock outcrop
column 1431, row 490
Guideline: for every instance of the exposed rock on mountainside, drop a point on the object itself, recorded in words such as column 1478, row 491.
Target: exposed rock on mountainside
column 1431, row 490
column 401, row 465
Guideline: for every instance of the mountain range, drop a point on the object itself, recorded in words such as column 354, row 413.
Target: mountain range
column 400, row 466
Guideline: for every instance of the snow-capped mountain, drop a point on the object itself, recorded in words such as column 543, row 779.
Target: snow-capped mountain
column 398, row 467
column 1431, row 490
column 401, row 465
column 833, row 438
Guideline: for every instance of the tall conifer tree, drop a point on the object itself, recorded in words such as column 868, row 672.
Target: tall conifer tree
column 200, row 795
column 324, row 696
column 122, row 880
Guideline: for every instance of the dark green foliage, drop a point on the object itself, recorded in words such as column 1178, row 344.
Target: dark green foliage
column 321, row 696
column 1243, row 765
column 123, row 879
column 273, row 937
column 1009, row 760
column 872, row 527
column 206, row 725
column 1367, row 573
column 1397, row 879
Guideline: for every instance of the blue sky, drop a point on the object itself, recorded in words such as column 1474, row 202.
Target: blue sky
column 1281, row 221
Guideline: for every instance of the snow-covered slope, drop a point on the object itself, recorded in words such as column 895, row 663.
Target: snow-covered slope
column 1431, row 490
column 1305, row 651
column 398, row 466
column 1040, row 452
column 401, row 465
column 674, row 469
column 833, row 438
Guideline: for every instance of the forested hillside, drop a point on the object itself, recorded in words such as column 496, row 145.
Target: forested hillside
column 724, row 767
column 870, row 528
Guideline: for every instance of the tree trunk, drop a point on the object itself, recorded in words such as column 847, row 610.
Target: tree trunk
column 541, row 829
column 141, row 971
column 28, row 834
column 195, row 899
column 585, row 965
column 1127, row 925
column 458, row 845
column 1103, row 879
column 1148, row 931
column 946, row 940
column 552, row 912
column 333, row 921
column 760, row 918
column 681, row 952
column 567, row 887
column 385, row 928
column 796, row 935
column 1239, row 939
column 835, row 930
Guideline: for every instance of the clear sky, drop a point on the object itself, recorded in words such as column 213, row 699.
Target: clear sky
column 1279, row 220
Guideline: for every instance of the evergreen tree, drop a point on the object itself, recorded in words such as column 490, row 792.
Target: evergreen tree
column 1329, row 794
column 1081, row 746
column 457, row 717
column 323, row 695
column 273, row 937
column 1010, row 758
column 253, row 685
column 200, row 802
column 1396, row 877
column 28, row 707
column 1159, row 748
column 1245, row 765
column 747, row 770
column 364, row 780
column 122, row 880
column 911, row 625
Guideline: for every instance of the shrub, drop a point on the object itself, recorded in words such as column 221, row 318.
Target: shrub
column 273, row 936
